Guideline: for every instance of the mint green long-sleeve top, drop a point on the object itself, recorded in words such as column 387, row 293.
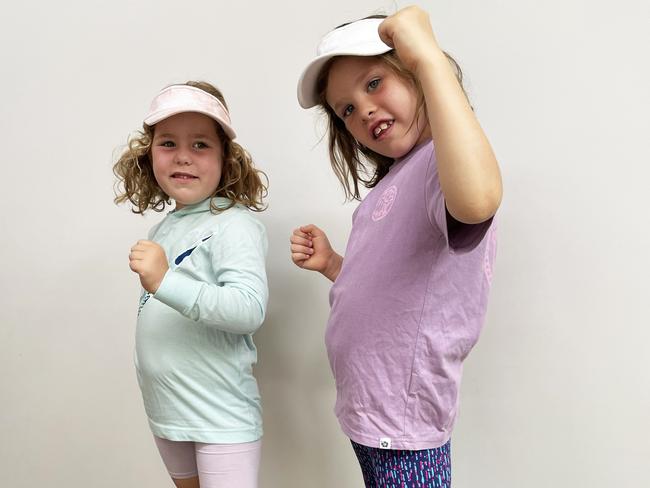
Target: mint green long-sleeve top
column 194, row 338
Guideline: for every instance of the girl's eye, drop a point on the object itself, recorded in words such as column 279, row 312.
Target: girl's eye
column 348, row 110
column 167, row 144
column 200, row 145
column 373, row 84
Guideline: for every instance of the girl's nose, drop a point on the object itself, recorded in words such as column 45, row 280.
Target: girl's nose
column 182, row 157
column 367, row 110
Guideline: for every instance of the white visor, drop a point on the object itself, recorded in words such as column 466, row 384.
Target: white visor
column 360, row 38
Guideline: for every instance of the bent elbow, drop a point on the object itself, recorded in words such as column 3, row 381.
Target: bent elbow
column 479, row 210
column 257, row 319
column 250, row 318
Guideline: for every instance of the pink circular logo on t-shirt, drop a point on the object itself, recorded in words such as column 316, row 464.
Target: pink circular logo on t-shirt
column 385, row 203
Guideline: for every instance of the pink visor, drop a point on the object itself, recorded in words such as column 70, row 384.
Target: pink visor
column 177, row 99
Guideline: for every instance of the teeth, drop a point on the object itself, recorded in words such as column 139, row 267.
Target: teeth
column 382, row 127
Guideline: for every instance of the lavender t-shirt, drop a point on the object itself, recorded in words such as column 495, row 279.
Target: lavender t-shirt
column 406, row 309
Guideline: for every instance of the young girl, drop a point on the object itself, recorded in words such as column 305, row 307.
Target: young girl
column 409, row 298
column 205, row 290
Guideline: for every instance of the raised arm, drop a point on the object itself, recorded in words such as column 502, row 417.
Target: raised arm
column 468, row 170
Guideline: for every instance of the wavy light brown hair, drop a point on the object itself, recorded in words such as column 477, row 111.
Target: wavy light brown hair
column 352, row 162
column 240, row 181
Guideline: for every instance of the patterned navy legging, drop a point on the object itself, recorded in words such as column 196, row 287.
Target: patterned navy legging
column 393, row 468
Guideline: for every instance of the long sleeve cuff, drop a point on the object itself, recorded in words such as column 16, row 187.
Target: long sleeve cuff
column 178, row 291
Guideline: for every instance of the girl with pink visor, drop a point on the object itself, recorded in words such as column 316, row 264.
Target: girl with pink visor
column 204, row 286
column 409, row 298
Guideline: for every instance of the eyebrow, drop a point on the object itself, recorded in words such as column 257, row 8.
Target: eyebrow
column 200, row 135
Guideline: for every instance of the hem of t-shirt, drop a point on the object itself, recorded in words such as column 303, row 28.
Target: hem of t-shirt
column 206, row 436
column 401, row 443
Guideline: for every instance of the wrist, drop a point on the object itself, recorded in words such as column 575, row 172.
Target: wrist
column 150, row 287
column 154, row 287
column 434, row 60
column 155, row 283
column 333, row 267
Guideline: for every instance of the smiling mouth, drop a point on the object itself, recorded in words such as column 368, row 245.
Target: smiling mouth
column 183, row 176
column 380, row 128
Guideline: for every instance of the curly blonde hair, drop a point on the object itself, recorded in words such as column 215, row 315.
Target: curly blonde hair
column 352, row 162
column 240, row 181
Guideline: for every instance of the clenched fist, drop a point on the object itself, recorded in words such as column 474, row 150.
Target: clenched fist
column 409, row 32
column 310, row 249
column 149, row 260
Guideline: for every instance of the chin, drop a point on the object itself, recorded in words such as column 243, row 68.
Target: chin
column 398, row 152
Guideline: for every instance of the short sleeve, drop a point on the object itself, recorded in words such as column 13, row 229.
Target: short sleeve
column 460, row 237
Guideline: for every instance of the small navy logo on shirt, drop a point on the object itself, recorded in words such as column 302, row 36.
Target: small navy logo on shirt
column 384, row 443
column 183, row 255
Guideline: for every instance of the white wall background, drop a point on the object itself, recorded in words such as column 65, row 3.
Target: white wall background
column 556, row 394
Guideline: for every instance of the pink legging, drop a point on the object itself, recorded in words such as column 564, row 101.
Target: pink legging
column 216, row 465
